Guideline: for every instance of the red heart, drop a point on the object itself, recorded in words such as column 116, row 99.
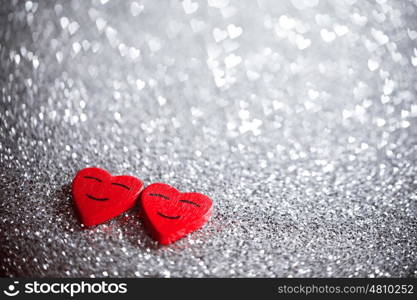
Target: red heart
column 99, row 196
column 169, row 215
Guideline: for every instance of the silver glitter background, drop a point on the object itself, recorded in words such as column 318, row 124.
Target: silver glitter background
column 298, row 118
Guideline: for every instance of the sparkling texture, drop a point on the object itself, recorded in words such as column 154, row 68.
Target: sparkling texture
column 298, row 118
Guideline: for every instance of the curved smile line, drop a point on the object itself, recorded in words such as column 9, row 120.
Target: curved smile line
column 97, row 199
column 168, row 217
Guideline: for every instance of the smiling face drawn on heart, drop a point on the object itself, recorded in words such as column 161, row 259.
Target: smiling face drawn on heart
column 99, row 196
column 169, row 215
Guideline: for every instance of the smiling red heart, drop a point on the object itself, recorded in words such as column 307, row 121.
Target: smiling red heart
column 99, row 196
column 170, row 215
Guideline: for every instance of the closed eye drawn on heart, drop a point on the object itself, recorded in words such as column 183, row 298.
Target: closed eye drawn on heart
column 190, row 202
column 122, row 185
column 95, row 178
column 159, row 195
column 97, row 199
column 168, row 217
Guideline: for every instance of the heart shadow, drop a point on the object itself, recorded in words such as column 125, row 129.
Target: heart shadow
column 134, row 231
column 62, row 208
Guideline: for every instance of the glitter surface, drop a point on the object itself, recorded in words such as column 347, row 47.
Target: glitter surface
column 298, row 118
